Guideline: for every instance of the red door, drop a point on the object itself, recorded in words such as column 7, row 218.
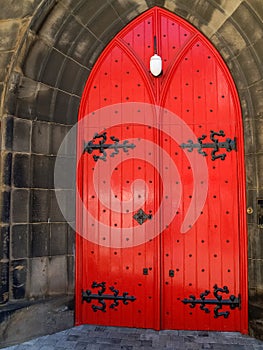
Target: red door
column 161, row 237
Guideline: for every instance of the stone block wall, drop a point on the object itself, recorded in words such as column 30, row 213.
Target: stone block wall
column 47, row 49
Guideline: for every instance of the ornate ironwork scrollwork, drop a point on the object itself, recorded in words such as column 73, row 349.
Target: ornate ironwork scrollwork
column 229, row 145
column 233, row 301
column 102, row 146
column 88, row 296
column 141, row 216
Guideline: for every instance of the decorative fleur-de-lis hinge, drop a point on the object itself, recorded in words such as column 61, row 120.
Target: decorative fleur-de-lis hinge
column 229, row 145
column 233, row 301
column 102, row 146
column 88, row 296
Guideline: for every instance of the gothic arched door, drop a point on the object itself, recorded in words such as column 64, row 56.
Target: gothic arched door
column 161, row 239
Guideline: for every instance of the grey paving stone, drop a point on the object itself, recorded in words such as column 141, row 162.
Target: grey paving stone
column 176, row 338
column 66, row 344
column 99, row 329
column 108, row 341
column 88, row 337
column 84, row 345
column 150, row 336
column 188, row 346
column 169, row 332
column 73, row 337
column 127, row 342
column 31, row 342
column 207, row 346
column 146, row 343
column 37, row 346
column 205, row 340
column 49, row 341
column 117, row 335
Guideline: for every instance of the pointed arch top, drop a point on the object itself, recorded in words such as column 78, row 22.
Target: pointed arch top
column 176, row 40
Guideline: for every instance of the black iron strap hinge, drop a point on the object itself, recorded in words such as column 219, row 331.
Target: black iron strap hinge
column 229, row 145
column 233, row 301
column 102, row 146
column 88, row 296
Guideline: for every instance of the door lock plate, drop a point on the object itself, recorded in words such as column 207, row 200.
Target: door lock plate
column 171, row 273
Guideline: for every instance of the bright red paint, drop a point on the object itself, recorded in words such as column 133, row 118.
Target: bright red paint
column 197, row 87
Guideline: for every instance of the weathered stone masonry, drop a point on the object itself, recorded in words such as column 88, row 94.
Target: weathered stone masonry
column 47, row 49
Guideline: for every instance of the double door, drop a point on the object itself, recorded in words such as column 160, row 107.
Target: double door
column 161, row 232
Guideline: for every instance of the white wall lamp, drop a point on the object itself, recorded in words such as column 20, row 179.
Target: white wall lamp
column 156, row 61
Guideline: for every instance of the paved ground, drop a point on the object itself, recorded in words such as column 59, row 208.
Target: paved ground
column 111, row 338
